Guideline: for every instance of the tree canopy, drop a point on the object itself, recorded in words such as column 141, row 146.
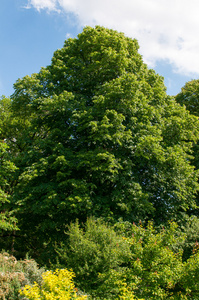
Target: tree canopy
column 189, row 98
column 94, row 133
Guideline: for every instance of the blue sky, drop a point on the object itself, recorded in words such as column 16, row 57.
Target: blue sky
column 31, row 30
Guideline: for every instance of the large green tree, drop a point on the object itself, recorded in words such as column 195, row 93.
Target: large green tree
column 99, row 137
column 189, row 98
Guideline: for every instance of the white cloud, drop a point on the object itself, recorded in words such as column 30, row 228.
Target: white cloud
column 50, row 5
column 165, row 29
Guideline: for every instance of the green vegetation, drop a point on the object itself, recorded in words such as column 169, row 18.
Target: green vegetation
column 99, row 174
column 7, row 220
column 16, row 274
column 56, row 285
column 150, row 262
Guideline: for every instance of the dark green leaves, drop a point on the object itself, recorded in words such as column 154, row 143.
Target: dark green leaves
column 96, row 134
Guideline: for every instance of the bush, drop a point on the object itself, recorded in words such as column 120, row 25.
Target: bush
column 155, row 270
column 16, row 274
column 56, row 285
column 92, row 250
column 113, row 264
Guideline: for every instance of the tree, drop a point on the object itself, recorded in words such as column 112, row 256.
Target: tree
column 189, row 97
column 7, row 169
column 104, row 139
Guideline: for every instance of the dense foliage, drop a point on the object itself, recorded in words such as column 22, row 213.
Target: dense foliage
column 150, row 262
column 94, row 134
column 16, row 274
column 7, row 219
column 189, row 98
column 56, row 285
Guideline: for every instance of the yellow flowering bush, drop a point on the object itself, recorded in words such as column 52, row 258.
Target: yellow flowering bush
column 56, row 285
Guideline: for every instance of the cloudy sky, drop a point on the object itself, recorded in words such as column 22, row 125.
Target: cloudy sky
column 167, row 32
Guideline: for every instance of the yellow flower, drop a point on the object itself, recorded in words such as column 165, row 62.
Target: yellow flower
column 56, row 285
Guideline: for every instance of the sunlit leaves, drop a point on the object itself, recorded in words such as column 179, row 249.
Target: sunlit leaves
column 95, row 134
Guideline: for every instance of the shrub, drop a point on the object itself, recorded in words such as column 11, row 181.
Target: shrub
column 56, row 285
column 155, row 270
column 16, row 274
column 91, row 250
column 144, row 262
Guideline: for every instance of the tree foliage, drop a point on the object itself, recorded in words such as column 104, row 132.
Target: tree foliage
column 189, row 98
column 7, row 169
column 94, row 133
